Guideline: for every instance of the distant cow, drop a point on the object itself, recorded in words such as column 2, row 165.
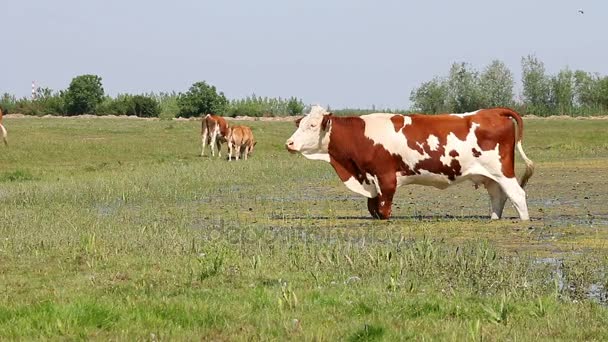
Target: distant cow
column 214, row 131
column 374, row 154
column 240, row 140
column 3, row 130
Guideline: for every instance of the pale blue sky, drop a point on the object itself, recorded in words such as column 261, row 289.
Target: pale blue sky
column 343, row 53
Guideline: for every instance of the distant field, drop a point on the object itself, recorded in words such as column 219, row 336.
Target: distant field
column 118, row 229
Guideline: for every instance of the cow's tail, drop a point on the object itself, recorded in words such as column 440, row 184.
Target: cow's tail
column 204, row 123
column 519, row 133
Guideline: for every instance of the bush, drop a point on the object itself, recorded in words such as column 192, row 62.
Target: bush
column 295, row 106
column 8, row 103
column 83, row 95
column 257, row 106
column 168, row 104
column 125, row 104
column 200, row 99
column 144, row 106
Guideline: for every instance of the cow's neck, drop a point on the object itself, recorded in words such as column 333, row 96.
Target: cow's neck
column 344, row 132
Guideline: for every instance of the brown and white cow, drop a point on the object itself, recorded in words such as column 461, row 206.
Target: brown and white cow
column 3, row 130
column 240, row 140
column 376, row 153
column 214, row 131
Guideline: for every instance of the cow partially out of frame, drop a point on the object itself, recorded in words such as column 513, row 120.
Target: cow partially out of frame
column 375, row 154
column 214, row 131
column 3, row 130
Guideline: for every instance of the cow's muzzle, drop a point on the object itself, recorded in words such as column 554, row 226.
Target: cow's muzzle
column 290, row 146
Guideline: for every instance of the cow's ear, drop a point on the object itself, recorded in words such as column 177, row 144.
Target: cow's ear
column 326, row 121
column 297, row 122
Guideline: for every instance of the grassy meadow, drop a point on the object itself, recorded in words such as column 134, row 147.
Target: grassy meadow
column 116, row 229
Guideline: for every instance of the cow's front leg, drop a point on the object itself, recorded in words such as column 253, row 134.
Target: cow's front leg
column 387, row 186
column 372, row 207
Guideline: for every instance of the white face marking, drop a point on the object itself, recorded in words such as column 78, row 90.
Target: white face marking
column 309, row 138
column 433, row 142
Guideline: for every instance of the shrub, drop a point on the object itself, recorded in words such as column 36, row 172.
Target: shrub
column 125, row 104
column 265, row 106
column 83, row 95
column 200, row 99
column 8, row 103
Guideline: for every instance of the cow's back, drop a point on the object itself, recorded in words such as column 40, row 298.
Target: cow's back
column 215, row 122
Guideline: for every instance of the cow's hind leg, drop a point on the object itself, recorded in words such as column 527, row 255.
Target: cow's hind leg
column 497, row 198
column 218, row 144
column 204, row 140
column 516, row 194
column 213, row 142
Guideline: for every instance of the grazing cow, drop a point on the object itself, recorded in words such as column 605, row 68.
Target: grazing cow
column 241, row 140
column 214, row 131
column 374, row 154
column 3, row 130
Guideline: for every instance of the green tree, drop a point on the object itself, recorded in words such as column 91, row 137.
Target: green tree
column 536, row 86
column 201, row 98
column 585, row 89
column 496, row 85
column 463, row 89
column 144, row 106
column 295, row 106
column 562, row 92
column 430, row 97
column 83, row 95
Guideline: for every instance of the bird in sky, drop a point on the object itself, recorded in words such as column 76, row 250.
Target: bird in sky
column 580, row 11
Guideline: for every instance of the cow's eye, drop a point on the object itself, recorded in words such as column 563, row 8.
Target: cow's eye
column 313, row 125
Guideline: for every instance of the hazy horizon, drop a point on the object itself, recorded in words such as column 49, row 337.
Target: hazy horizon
column 339, row 53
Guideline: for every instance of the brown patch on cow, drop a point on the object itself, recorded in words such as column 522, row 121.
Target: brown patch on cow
column 398, row 122
column 476, row 153
column 497, row 128
column 441, row 126
column 211, row 120
column 422, row 127
column 438, row 167
column 352, row 154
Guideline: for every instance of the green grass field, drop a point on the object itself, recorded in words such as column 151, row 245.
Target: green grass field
column 116, row 229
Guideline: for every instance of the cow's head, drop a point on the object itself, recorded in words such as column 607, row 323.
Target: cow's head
column 312, row 136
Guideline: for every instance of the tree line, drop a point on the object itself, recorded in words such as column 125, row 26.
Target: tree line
column 465, row 89
column 85, row 95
